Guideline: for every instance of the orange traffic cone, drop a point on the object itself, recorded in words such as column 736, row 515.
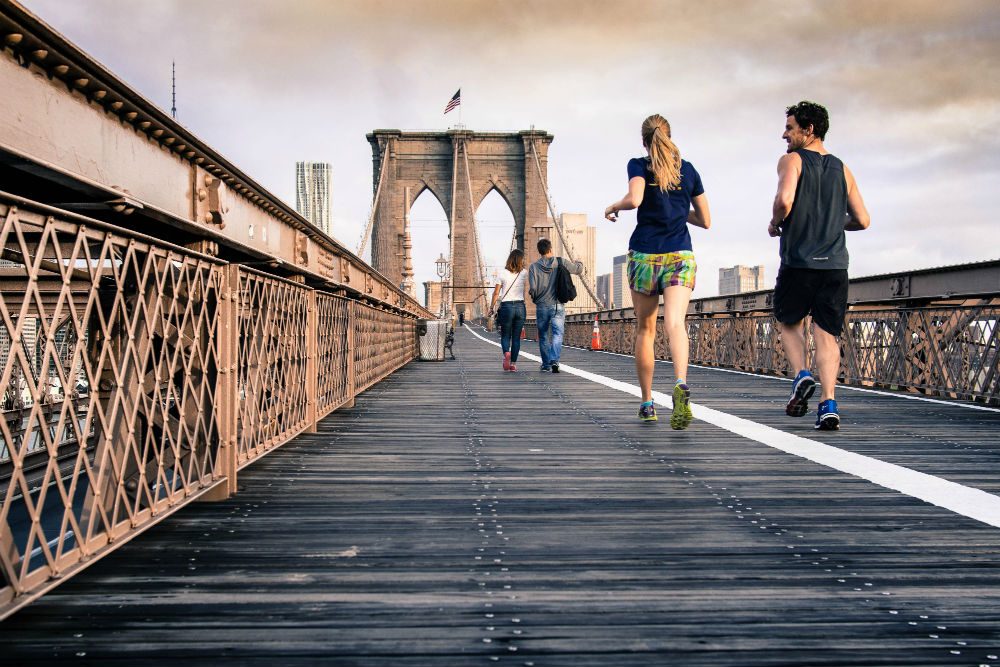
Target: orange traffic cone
column 524, row 334
column 595, row 338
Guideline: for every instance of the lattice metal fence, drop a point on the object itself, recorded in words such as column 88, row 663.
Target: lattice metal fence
column 948, row 350
column 274, row 321
column 138, row 376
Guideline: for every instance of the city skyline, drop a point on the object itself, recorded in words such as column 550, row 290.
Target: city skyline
column 912, row 89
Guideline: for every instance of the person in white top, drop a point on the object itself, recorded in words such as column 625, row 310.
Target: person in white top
column 509, row 292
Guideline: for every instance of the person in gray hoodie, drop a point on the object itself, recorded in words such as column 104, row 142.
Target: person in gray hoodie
column 549, row 313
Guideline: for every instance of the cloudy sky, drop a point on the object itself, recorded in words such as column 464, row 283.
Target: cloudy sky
column 913, row 89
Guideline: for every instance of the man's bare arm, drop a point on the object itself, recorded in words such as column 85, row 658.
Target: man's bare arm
column 789, row 169
column 857, row 215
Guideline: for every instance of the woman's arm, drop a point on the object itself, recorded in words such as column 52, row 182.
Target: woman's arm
column 699, row 215
column 496, row 295
column 636, row 188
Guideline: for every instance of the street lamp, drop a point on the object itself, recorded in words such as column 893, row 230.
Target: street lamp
column 442, row 270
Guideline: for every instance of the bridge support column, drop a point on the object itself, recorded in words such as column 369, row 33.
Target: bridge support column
column 227, row 398
column 312, row 369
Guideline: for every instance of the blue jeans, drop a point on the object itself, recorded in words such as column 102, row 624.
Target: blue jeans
column 551, row 323
column 511, row 315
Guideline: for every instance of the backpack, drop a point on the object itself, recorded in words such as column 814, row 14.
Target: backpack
column 565, row 289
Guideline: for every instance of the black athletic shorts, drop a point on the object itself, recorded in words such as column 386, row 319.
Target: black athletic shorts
column 821, row 293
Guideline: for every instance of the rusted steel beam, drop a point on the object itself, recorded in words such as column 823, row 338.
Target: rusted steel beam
column 122, row 154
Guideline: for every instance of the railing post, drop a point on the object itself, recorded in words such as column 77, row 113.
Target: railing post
column 312, row 367
column 352, row 379
column 227, row 392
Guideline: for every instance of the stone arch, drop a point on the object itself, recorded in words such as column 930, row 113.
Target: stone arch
column 460, row 168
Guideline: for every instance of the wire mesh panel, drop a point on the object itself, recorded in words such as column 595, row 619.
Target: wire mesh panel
column 273, row 352
column 948, row 350
column 108, row 358
column 384, row 341
column 333, row 387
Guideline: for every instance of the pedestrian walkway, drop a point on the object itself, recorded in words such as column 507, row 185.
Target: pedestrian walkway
column 459, row 515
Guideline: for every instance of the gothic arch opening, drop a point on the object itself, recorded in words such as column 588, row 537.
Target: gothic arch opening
column 429, row 233
column 495, row 223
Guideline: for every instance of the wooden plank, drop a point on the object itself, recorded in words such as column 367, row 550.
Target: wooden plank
column 456, row 504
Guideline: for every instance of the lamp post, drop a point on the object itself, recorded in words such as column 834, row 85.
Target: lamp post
column 441, row 264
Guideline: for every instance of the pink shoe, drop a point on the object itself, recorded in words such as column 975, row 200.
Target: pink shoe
column 513, row 368
column 506, row 361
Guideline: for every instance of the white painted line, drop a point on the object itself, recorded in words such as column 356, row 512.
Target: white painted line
column 965, row 500
column 909, row 397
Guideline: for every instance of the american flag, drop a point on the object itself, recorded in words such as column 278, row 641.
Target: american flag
column 455, row 100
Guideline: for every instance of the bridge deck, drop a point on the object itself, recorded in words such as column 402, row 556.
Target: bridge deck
column 459, row 516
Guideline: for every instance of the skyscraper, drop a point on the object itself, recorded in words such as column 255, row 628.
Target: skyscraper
column 582, row 241
column 739, row 278
column 312, row 193
column 604, row 289
column 620, row 292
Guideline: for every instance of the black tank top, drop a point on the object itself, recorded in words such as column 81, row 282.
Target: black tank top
column 812, row 236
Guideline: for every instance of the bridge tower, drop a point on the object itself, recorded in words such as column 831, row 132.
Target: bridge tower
column 460, row 168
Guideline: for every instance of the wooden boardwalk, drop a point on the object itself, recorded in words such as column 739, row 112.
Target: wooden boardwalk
column 462, row 516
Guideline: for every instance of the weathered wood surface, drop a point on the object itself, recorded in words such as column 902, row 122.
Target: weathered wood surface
column 461, row 516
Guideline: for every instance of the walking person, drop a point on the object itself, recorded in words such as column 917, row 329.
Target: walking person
column 817, row 201
column 669, row 194
column 550, row 313
column 509, row 292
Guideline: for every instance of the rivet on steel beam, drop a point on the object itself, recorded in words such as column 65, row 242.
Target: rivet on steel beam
column 81, row 82
column 199, row 160
column 61, row 69
column 169, row 140
column 131, row 115
column 39, row 54
column 180, row 147
column 13, row 38
column 100, row 94
column 115, row 106
column 145, row 125
column 157, row 132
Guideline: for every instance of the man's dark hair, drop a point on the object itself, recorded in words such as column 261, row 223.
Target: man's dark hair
column 544, row 246
column 809, row 113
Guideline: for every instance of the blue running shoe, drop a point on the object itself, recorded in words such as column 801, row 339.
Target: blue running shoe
column 827, row 419
column 647, row 412
column 802, row 388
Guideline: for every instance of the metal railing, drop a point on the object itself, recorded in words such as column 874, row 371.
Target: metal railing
column 949, row 348
column 155, row 373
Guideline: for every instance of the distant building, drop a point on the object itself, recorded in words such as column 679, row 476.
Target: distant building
column 582, row 241
column 621, row 295
column 604, row 289
column 739, row 278
column 313, row 193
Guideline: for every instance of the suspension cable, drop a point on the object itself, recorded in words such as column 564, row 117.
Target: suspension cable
column 475, row 228
column 558, row 224
column 371, row 215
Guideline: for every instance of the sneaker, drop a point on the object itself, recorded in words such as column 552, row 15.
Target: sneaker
column 545, row 369
column 506, row 361
column 681, row 416
column 647, row 412
column 802, row 388
column 827, row 418
column 555, row 368
column 513, row 368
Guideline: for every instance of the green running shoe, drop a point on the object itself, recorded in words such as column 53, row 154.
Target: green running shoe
column 681, row 416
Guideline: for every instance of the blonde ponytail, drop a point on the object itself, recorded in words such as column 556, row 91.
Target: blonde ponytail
column 664, row 156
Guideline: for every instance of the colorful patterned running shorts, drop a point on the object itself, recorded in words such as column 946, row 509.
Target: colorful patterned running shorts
column 654, row 273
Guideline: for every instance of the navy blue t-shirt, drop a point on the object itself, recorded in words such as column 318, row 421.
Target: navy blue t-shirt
column 661, row 222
